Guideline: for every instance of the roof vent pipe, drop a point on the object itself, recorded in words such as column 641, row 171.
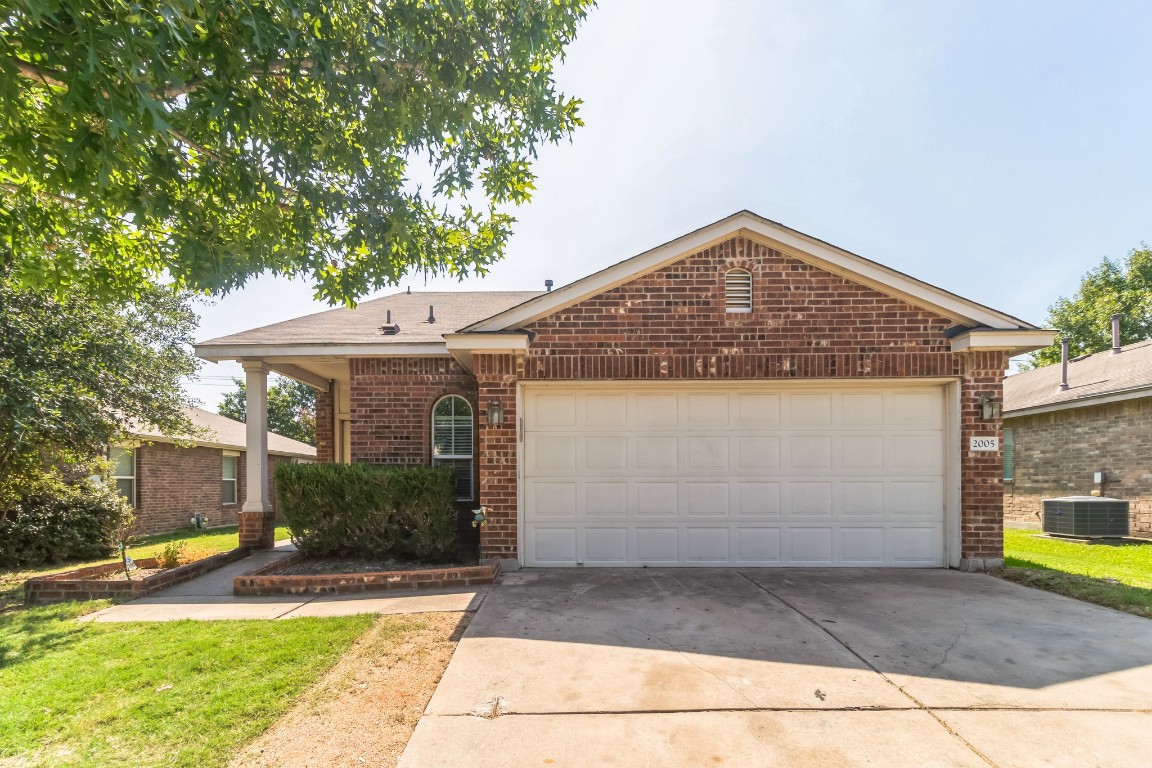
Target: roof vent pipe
column 1063, row 365
column 388, row 320
column 1116, row 333
column 548, row 286
column 431, row 314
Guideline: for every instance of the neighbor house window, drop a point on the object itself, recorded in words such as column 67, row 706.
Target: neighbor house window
column 124, row 472
column 228, row 483
column 1009, row 455
column 738, row 291
column 452, row 441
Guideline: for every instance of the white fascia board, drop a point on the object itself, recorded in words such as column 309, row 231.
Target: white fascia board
column 1082, row 402
column 1014, row 341
column 787, row 241
column 216, row 353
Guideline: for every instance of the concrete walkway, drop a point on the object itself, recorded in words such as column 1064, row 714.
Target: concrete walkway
column 789, row 668
column 209, row 598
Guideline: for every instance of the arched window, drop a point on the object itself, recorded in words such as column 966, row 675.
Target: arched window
column 738, row 291
column 452, row 441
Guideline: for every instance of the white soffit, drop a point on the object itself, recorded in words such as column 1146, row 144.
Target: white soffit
column 1015, row 341
column 463, row 346
column 781, row 238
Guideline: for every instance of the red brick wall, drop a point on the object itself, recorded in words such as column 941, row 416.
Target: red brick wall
column 174, row 483
column 325, row 427
column 496, row 376
column 981, row 472
column 392, row 401
column 1058, row 453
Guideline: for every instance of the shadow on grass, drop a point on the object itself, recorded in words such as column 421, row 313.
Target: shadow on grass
column 1106, row 592
column 30, row 633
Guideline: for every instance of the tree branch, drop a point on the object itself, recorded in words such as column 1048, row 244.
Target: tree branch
column 30, row 72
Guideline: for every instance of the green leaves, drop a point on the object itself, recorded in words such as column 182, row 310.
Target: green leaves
column 213, row 141
column 1113, row 287
column 75, row 371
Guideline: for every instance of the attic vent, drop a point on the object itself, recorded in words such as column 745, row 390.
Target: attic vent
column 390, row 330
column 738, row 291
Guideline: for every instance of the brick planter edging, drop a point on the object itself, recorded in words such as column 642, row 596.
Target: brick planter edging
column 86, row 584
column 266, row 581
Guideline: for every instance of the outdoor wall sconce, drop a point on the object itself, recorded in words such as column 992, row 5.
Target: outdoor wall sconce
column 989, row 408
column 495, row 413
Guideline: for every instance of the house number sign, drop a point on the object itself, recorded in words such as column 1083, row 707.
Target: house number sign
column 984, row 444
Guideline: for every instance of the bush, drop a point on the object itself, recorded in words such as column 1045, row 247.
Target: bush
column 62, row 521
column 362, row 510
column 177, row 553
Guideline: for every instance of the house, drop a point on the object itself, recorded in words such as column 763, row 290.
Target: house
column 743, row 395
column 168, row 483
column 1080, row 428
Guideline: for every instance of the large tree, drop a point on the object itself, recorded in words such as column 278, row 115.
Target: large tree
column 76, row 373
column 1113, row 287
column 291, row 408
column 349, row 142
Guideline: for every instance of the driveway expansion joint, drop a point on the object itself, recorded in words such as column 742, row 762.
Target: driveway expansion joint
column 919, row 704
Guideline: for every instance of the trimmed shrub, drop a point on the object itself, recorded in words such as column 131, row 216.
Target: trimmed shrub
column 62, row 521
column 364, row 510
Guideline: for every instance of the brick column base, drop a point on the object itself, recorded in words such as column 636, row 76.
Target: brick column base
column 257, row 529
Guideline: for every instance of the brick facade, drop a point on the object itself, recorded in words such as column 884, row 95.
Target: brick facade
column 1058, row 453
column 173, row 483
column 671, row 324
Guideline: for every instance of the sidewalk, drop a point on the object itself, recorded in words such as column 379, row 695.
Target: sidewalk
column 210, row 598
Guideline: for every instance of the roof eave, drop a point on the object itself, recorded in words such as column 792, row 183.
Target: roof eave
column 1103, row 398
column 777, row 236
column 1014, row 341
column 217, row 352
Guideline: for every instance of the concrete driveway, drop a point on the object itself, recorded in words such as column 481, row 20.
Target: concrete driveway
column 688, row 667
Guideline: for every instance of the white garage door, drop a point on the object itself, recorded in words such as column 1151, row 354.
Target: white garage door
column 728, row 475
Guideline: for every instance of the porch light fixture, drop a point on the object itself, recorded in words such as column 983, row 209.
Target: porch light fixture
column 495, row 413
column 989, row 407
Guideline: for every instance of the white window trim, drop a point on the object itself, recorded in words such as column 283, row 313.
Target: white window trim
column 444, row 457
column 737, row 295
column 116, row 478
column 234, row 479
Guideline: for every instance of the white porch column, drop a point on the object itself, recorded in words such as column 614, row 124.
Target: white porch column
column 256, row 525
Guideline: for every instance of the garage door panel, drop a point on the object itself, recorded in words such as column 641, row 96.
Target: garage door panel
column 706, row 453
column 655, row 410
column 605, row 410
column 757, row 410
column 720, row 475
column 658, row 453
column 656, row 499
column 705, row 499
column 861, row 546
column 605, row 546
column 756, row 452
column 757, row 499
column 758, row 545
column 606, row 454
column 657, row 545
column 809, row 546
column 606, row 500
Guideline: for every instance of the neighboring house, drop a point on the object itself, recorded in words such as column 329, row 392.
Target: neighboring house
column 168, row 483
column 743, row 395
column 1060, row 438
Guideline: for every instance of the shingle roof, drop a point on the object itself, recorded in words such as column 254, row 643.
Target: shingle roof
column 361, row 325
column 229, row 433
column 1094, row 376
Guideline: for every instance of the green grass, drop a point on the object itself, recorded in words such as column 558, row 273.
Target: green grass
column 1114, row 575
column 214, row 539
column 186, row 693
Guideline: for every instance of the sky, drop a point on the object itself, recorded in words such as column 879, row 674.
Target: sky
column 998, row 150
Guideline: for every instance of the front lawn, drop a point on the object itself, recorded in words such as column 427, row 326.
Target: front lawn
column 1114, row 575
column 213, row 540
column 185, row 693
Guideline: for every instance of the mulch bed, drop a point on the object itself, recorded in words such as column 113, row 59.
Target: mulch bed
column 315, row 565
column 137, row 574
